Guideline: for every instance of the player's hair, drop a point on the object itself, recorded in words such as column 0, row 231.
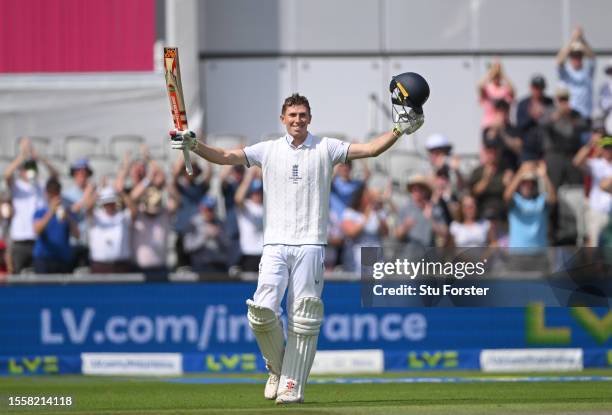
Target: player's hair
column 295, row 99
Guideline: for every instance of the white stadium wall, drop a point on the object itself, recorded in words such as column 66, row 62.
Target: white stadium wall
column 341, row 53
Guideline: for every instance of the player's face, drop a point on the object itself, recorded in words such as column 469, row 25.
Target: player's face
column 296, row 119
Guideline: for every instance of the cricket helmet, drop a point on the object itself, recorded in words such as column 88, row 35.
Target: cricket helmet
column 409, row 89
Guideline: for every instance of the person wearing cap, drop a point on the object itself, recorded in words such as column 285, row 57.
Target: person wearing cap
column 576, row 69
column 439, row 149
column 27, row 196
column 249, row 207
column 562, row 134
column 418, row 226
column 110, row 231
column 54, row 224
column 152, row 223
column 494, row 86
column 528, row 208
column 600, row 170
column 206, row 241
column 82, row 187
column 530, row 108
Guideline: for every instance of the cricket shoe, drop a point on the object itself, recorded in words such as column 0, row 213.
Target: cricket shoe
column 271, row 386
column 289, row 394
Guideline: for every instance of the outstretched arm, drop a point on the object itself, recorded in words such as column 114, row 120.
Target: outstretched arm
column 188, row 139
column 408, row 124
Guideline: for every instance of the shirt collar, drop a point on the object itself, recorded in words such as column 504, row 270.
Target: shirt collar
column 306, row 143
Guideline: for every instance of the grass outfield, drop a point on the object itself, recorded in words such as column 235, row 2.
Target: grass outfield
column 158, row 396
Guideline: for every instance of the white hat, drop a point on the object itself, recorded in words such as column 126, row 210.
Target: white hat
column 107, row 195
column 437, row 141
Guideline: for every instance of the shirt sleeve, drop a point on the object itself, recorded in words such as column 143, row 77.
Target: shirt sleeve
column 590, row 67
column 255, row 153
column 39, row 213
column 338, row 150
column 562, row 72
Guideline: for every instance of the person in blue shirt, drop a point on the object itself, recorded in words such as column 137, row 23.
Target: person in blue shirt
column 344, row 187
column 528, row 208
column 53, row 225
column 576, row 68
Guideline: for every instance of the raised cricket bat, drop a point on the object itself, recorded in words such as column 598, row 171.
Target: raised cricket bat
column 172, row 71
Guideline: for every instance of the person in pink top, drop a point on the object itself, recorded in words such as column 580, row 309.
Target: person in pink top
column 494, row 86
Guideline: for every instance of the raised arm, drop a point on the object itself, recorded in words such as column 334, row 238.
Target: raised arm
column 549, row 188
column 188, row 139
column 49, row 166
column 514, row 184
column 25, row 150
column 582, row 155
column 407, row 125
column 243, row 188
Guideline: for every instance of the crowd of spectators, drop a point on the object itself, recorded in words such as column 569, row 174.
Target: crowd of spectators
column 537, row 153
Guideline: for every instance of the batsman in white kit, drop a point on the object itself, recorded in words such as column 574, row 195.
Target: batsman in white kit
column 297, row 173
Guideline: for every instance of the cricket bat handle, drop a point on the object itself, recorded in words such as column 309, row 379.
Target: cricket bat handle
column 187, row 161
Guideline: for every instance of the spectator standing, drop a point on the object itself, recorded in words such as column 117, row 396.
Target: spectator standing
column 249, row 209
column 605, row 96
column 344, row 186
column 468, row 231
column 488, row 181
column 205, row 241
column 600, row 169
column 54, row 224
column 27, row 197
column 530, row 113
column 6, row 213
column 562, row 141
column 152, row 224
column 76, row 195
column 537, row 97
column 132, row 171
column 504, row 135
column 188, row 190
column 443, row 198
column 364, row 223
column 576, row 69
column 417, row 225
column 494, row 86
column 231, row 177
column 528, row 213
column 110, row 232
column 439, row 149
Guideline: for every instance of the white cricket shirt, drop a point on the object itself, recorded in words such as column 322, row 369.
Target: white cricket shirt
column 297, row 182
column 109, row 236
column 27, row 197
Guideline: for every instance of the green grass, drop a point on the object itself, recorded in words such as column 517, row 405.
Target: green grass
column 155, row 396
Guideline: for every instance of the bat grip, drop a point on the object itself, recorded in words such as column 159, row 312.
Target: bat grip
column 187, row 158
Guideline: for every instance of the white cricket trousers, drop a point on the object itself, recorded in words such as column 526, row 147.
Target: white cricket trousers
column 295, row 268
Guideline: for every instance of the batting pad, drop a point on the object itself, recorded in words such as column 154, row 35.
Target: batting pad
column 304, row 324
column 269, row 335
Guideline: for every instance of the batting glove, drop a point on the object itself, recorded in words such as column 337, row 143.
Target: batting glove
column 408, row 123
column 183, row 139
